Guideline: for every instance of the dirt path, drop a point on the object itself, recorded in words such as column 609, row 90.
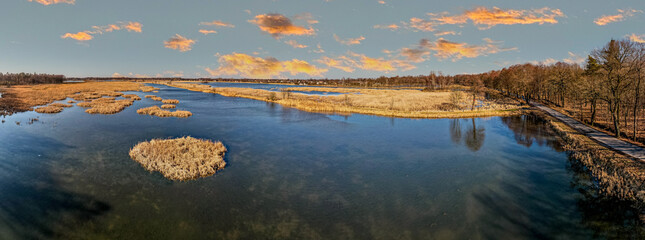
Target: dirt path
column 623, row 147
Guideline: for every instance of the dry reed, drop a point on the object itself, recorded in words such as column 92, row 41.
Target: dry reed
column 49, row 109
column 170, row 101
column 63, row 105
column 392, row 103
column 158, row 112
column 184, row 158
column 132, row 96
column 168, row 106
column 106, row 105
column 153, row 97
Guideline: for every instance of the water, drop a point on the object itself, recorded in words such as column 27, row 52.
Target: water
column 297, row 175
column 273, row 87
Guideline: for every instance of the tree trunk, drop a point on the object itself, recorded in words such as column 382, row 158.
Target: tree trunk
column 593, row 111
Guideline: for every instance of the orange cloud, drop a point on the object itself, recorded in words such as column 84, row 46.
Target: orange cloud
column 79, row 36
column 421, row 24
column 414, row 55
column 349, row 41
column 390, row 27
column 295, row 44
column 49, row 2
column 180, row 43
column 443, row 33
column 88, row 35
column 622, row 14
column 217, row 23
column 257, row 67
column 447, row 49
column 278, row 25
column 206, row 32
column 352, row 61
column 486, row 18
column 637, row 38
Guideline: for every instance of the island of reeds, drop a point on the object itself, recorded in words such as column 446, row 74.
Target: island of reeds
column 183, row 158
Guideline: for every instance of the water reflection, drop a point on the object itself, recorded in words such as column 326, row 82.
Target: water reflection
column 529, row 129
column 472, row 137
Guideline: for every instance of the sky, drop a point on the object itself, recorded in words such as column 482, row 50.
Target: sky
column 303, row 38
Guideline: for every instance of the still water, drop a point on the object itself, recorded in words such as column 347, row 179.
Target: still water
column 271, row 87
column 297, row 175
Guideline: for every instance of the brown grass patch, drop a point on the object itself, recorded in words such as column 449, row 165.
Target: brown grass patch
column 153, row 97
column 132, row 96
column 106, row 105
column 168, row 106
column 61, row 105
column 182, row 158
column 170, row 101
column 148, row 89
column 25, row 97
column 71, row 101
column 407, row 103
column 156, row 111
column 49, row 109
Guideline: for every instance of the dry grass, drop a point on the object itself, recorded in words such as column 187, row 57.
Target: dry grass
column 132, row 96
column 71, row 101
column 148, row 89
column 153, row 97
column 24, row 98
column 49, row 109
column 406, row 103
column 158, row 112
column 61, row 105
column 170, row 101
column 618, row 176
column 168, row 106
column 182, row 158
column 106, row 105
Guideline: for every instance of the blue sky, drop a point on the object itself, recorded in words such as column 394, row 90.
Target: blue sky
column 303, row 38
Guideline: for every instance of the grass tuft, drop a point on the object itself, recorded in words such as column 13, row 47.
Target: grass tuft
column 106, row 105
column 153, row 97
column 170, row 101
column 158, row 112
column 49, row 109
column 184, row 158
column 168, row 106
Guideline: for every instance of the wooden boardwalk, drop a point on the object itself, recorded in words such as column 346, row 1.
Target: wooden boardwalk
column 607, row 140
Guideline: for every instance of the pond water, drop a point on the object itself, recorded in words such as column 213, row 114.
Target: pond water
column 297, row 175
column 272, row 87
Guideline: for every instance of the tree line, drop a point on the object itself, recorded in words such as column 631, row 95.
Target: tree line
column 9, row 79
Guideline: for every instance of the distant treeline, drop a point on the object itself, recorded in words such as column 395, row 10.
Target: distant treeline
column 29, row 78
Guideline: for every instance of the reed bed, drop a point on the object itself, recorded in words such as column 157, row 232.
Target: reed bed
column 170, row 101
column 406, row 103
column 155, row 98
column 182, row 159
column 148, row 89
column 106, row 105
column 49, row 109
column 63, row 105
column 132, row 96
column 158, row 112
column 25, row 98
column 168, row 106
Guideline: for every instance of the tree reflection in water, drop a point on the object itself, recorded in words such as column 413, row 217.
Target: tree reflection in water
column 472, row 138
column 529, row 129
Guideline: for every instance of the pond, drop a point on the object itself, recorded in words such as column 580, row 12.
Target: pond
column 297, row 175
column 273, row 87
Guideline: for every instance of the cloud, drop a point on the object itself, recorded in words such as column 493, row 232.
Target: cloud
column 486, row 18
column 390, row 27
column 444, row 33
column 421, row 25
column 381, row 2
column 49, row 2
column 180, row 43
column 637, row 38
column 257, row 67
column 349, row 41
column 295, row 44
column 278, row 25
column 206, row 32
column 79, row 36
column 574, row 59
column 414, row 55
column 217, row 23
column 622, row 14
column 352, row 61
column 446, row 49
column 89, row 34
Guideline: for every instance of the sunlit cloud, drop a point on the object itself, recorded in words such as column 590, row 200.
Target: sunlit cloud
column 295, row 44
column 352, row 61
column 278, row 25
column 486, row 18
column 621, row 16
column 381, row 2
column 637, row 38
column 390, row 27
column 421, row 25
column 444, row 49
column 349, row 41
column 49, row 2
column 574, row 59
column 206, row 32
column 414, row 55
column 89, row 34
column 256, row 67
column 180, row 43
column 79, row 36
column 444, row 33
column 217, row 23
